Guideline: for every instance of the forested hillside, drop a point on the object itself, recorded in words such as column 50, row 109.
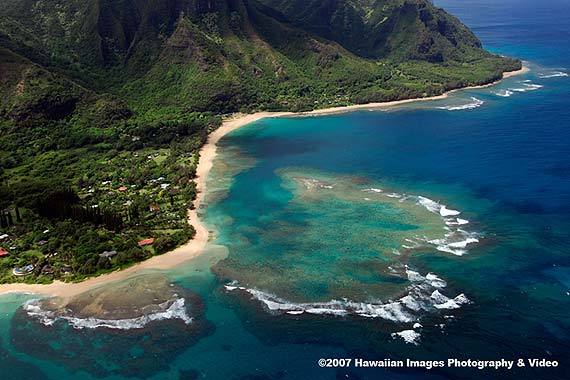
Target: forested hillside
column 104, row 104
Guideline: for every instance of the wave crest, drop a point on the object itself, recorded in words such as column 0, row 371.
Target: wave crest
column 171, row 310
column 504, row 93
column 423, row 295
column 553, row 74
column 476, row 103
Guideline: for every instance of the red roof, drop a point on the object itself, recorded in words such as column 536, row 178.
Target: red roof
column 123, row 188
column 154, row 208
column 146, row 242
column 3, row 252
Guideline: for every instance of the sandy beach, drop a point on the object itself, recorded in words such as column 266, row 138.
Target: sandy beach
column 207, row 155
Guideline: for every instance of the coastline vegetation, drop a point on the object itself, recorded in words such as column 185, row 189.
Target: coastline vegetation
column 104, row 107
column 108, row 198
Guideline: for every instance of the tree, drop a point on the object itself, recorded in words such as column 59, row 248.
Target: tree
column 164, row 244
column 18, row 216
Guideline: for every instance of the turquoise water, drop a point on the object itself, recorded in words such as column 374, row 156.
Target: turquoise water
column 334, row 234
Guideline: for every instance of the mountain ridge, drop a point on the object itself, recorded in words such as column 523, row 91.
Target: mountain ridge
column 105, row 104
column 107, row 46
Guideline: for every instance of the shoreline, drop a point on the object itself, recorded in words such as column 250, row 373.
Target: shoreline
column 207, row 155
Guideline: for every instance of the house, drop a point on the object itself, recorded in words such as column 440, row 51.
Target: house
column 123, row 188
column 146, row 242
column 42, row 243
column 154, row 208
column 47, row 270
column 3, row 252
column 108, row 254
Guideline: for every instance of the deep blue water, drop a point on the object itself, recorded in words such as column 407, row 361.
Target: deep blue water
column 504, row 163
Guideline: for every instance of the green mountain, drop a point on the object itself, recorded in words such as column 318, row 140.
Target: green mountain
column 227, row 55
column 398, row 29
column 104, row 104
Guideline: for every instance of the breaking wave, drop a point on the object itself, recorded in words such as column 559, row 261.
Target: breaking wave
column 476, row 103
column 408, row 336
column 504, row 93
column 170, row 310
column 423, row 295
column 528, row 86
column 456, row 239
column 553, row 74
column 373, row 190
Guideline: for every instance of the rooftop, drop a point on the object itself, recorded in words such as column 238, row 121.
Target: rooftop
column 108, row 254
column 145, row 242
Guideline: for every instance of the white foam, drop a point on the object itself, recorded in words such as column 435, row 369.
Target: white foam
column 373, row 190
column 176, row 310
column 435, row 281
column 445, row 303
column 455, row 242
column 456, row 252
column 533, row 86
column 444, row 211
column 422, row 295
column 463, row 243
column 438, row 297
column 436, row 208
column 408, row 336
column 326, row 311
column 528, row 86
column 553, row 74
column 456, row 221
column 429, row 204
column 414, row 276
column 476, row 103
column 504, row 93
column 47, row 318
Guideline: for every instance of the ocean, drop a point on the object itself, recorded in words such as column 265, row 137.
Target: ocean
column 429, row 231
